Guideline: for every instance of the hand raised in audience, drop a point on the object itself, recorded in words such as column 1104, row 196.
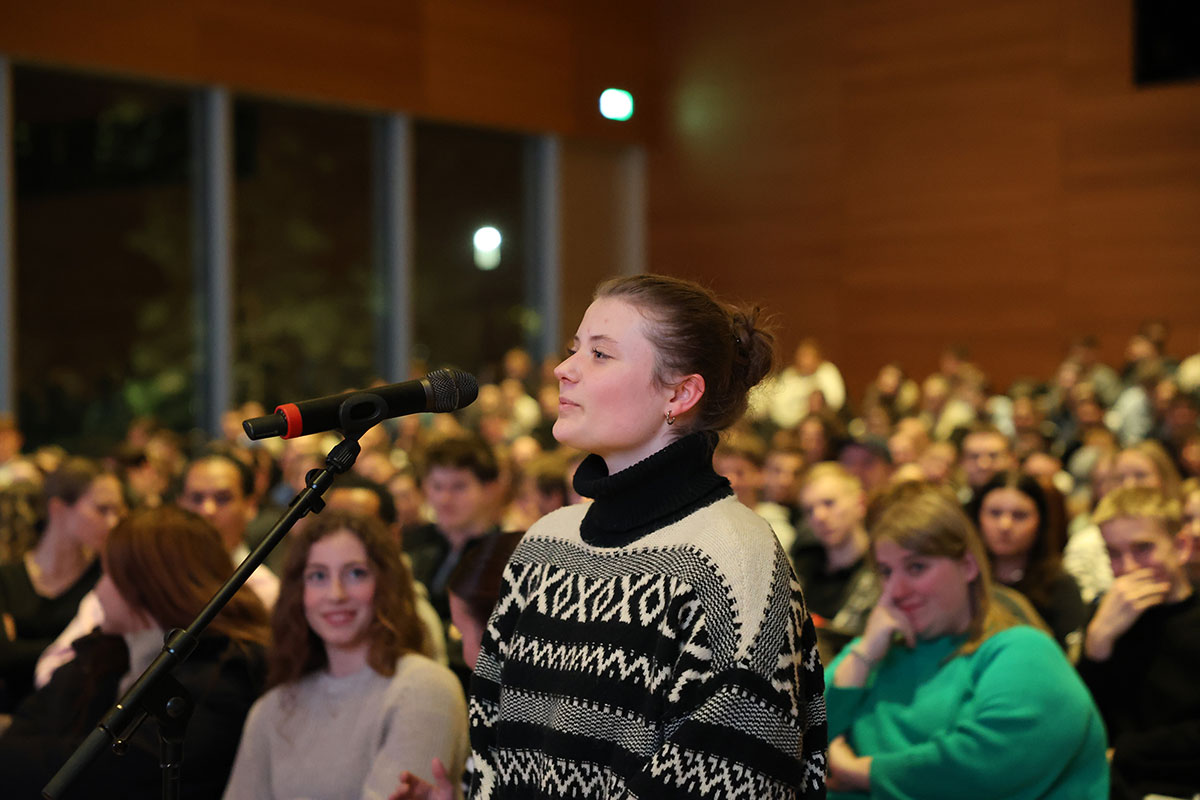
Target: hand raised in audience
column 884, row 625
column 1130, row 595
column 414, row 788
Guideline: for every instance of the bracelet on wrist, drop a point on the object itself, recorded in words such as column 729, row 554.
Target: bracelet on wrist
column 861, row 656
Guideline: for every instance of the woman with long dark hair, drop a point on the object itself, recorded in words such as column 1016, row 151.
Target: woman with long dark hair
column 1025, row 553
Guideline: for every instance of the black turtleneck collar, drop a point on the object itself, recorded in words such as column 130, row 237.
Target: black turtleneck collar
column 653, row 493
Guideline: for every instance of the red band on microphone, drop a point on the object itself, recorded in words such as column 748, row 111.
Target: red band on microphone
column 295, row 422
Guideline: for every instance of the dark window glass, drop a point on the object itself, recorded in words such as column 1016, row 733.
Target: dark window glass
column 467, row 179
column 103, row 262
column 304, row 315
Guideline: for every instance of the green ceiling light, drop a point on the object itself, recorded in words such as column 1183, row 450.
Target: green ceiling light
column 616, row 104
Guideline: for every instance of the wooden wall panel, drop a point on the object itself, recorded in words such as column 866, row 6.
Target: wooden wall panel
column 526, row 65
column 894, row 176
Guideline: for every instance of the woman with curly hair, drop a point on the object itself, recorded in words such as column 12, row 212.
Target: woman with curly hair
column 353, row 702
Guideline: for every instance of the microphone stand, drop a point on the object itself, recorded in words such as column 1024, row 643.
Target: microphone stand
column 157, row 693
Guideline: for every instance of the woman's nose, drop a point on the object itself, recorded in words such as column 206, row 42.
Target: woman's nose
column 563, row 371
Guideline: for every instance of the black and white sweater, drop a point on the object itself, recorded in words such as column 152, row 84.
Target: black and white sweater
column 652, row 644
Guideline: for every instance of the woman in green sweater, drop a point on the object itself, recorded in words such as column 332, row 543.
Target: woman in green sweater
column 946, row 693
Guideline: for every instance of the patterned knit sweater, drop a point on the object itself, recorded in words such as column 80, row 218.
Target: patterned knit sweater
column 652, row 644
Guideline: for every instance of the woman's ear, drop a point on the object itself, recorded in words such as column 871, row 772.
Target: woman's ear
column 687, row 393
column 970, row 567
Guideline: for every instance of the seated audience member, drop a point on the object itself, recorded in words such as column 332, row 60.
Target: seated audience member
column 408, row 501
column 1012, row 515
column 839, row 586
column 870, row 460
column 1141, row 650
column 1144, row 464
column 782, row 472
column 937, row 462
column 146, row 483
column 894, row 391
column 740, row 459
column 1131, row 417
column 460, row 480
column 809, row 372
column 1189, row 494
column 41, row 593
column 474, row 590
column 985, row 452
column 161, row 567
column 818, row 437
column 221, row 489
column 359, row 495
column 218, row 489
column 941, row 409
column 541, row 489
column 945, row 694
column 352, row 702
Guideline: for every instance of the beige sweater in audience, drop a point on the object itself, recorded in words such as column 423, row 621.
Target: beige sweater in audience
column 330, row 738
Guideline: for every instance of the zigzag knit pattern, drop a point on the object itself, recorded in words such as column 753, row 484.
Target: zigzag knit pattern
column 682, row 664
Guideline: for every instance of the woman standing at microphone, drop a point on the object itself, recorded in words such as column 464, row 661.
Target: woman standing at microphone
column 652, row 643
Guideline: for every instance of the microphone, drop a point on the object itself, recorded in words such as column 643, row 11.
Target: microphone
column 440, row 390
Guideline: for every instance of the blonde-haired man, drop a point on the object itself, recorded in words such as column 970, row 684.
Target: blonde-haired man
column 1141, row 654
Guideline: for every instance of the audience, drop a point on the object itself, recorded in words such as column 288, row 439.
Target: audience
column 946, row 694
column 40, row 593
column 161, row 566
column 215, row 488
column 1144, row 464
column 352, row 702
column 1064, row 433
column 741, row 459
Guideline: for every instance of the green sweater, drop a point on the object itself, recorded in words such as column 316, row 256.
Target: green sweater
column 1011, row 720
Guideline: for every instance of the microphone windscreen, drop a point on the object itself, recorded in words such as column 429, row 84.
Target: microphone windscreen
column 452, row 389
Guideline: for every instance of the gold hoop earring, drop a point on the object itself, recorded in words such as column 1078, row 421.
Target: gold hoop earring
column 670, row 417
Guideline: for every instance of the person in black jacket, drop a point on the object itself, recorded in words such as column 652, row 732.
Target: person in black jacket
column 1141, row 652
column 160, row 568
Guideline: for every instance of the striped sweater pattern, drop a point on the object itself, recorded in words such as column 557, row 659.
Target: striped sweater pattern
column 652, row 644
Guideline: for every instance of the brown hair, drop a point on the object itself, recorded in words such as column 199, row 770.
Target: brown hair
column 693, row 332
column 1043, row 565
column 927, row 519
column 296, row 650
column 169, row 563
column 477, row 578
column 72, row 479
